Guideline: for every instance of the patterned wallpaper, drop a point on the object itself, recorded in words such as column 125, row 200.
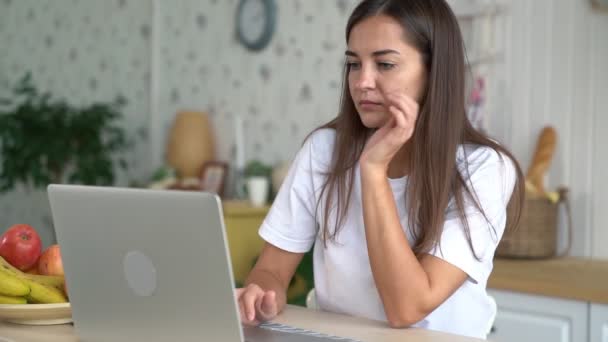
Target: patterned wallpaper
column 281, row 92
column 167, row 56
column 82, row 51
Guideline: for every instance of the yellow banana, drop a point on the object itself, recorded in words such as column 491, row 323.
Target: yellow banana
column 11, row 285
column 6, row 265
column 35, row 288
column 55, row 281
column 44, row 294
column 12, row 300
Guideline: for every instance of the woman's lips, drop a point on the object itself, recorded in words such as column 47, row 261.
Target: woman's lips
column 365, row 104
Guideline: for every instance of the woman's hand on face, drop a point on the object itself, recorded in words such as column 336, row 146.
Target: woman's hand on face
column 398, row 129
column 256, row 305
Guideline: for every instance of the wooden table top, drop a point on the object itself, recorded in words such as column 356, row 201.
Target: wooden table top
column 319, row 321
column 569, row 278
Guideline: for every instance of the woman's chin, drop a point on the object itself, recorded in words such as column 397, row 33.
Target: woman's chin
column 372, row 119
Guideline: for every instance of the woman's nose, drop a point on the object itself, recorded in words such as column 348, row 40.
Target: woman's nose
column 366, row 79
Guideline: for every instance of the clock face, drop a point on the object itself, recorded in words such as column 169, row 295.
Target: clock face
column 255, row 20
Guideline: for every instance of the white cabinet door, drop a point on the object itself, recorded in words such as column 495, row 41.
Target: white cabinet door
column 598, row 327
column 528, row 318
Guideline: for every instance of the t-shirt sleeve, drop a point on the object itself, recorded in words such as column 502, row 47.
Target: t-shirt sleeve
column 290, row 223
column 492, row 177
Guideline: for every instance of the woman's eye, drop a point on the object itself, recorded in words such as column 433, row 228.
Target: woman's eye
column 353, row 65
column 385, row 66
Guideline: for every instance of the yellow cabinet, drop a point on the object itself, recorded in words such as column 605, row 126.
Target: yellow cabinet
column 242, row 224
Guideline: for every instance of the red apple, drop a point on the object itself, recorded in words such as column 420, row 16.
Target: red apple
column 50, row 262
column 20, row 245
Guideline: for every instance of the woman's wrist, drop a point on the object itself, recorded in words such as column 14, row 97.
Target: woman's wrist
column 373, row 171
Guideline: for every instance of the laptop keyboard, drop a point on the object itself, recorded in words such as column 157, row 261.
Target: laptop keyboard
column 294, row 330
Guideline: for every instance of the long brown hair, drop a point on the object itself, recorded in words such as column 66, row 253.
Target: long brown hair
column 442, row 126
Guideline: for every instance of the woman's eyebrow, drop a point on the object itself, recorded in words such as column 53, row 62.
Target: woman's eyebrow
column 375, row 53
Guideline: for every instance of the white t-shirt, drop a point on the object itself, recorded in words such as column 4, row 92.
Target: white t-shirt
column 343, row 279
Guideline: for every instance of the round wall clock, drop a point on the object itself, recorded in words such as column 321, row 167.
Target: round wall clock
column 256, row 20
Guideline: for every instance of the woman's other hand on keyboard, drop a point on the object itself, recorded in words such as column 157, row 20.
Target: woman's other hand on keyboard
column 256, row 305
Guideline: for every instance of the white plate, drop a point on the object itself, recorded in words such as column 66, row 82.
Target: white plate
column 36, row 314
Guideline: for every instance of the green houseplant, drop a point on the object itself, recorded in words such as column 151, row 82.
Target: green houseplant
column 44, row 140
column 256, row 168
column 257, row 182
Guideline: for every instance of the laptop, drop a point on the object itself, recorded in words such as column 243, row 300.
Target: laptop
column 151, row 265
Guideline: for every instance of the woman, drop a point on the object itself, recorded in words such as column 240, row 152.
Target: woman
column 405, row 200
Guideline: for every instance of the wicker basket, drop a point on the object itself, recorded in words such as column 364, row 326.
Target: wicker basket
column 536, row 235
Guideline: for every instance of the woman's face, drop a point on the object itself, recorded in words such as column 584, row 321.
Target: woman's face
column 381, row 61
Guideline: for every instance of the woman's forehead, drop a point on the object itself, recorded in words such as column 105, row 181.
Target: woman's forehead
column 376, row 33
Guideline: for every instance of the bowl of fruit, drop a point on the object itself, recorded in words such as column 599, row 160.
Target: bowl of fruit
column 32, row 282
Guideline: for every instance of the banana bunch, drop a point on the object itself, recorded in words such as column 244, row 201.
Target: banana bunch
column 17, row 287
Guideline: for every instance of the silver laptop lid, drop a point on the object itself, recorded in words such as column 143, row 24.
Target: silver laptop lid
column 143, row 265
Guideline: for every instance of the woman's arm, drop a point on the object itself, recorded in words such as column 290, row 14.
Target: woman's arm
column 265, row 291
column 410, row 288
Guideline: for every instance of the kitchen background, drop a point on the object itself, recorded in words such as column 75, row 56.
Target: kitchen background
column 544, row 62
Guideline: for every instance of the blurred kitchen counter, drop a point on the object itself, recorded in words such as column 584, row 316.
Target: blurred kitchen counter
column 569, row 278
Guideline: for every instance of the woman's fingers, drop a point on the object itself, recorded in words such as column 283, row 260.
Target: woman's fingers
column 398, row 116
column 406, row 104
column 247, row 302
column 242, row 314
column 268, row 305
column 240, row 294
column 256, row 305
column 399, row 99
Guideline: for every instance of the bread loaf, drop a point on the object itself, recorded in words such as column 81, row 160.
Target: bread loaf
column 545, row 149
